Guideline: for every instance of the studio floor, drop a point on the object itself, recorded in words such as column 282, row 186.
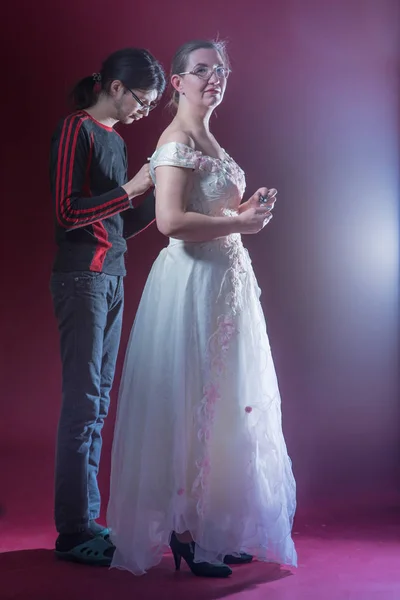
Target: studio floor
column 354, row 560
column 346, row 554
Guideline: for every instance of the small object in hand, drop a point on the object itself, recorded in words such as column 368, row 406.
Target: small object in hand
column 265, row 199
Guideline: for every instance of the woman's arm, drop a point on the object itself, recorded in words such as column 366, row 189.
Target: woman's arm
column 173, row 220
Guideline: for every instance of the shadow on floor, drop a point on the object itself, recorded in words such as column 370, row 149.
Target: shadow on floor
column 38, row 575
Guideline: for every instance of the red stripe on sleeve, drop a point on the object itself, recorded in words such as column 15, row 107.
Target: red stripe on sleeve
column 65, row 211
column 65, row 197
column 86, row 187
column 60, row 157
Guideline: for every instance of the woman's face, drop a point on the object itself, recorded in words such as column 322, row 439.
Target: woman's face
column 204, row 80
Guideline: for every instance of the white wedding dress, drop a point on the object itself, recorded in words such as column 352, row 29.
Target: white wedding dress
column 198, row 441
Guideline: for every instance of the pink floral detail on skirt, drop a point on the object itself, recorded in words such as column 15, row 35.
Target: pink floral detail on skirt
column 218, row 347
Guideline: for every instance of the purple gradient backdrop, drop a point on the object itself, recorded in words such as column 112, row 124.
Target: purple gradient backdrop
column 312, row 109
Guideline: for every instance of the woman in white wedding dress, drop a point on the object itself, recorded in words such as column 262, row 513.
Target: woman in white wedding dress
column 199, row 460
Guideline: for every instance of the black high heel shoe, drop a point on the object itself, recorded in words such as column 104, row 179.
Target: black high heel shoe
column 203, row 569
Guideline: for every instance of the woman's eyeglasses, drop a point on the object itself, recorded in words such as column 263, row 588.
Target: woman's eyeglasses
column 204, row 72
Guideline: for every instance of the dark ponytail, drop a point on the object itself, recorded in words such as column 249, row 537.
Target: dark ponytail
column 85, row 93
column 134, row 67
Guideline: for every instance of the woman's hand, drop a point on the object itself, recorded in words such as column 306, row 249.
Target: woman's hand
column 253, row 219
column 254, row 201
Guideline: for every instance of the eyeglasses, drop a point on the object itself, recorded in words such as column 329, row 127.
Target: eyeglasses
column 143, row 106
column 204, row 72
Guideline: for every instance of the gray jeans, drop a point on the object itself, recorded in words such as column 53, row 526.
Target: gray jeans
column 88, row 307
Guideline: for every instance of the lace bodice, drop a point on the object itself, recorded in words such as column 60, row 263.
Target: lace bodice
column 218, row 184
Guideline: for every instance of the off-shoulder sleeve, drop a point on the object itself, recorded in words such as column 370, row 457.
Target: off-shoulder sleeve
column 174, row 154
